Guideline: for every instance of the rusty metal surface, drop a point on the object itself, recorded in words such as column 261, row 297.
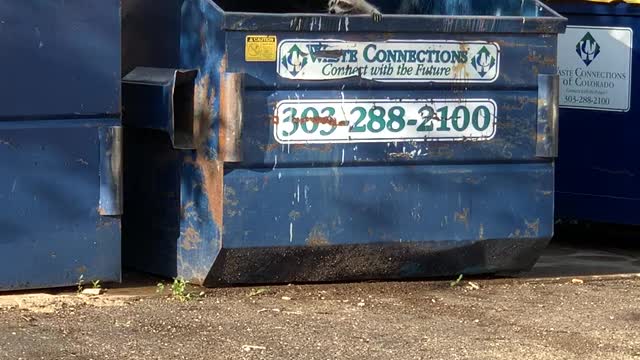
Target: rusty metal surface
column 231, row 117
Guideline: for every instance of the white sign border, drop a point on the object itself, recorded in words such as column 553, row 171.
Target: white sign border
column 448, row 81
column 377, row 101
column 586, row 27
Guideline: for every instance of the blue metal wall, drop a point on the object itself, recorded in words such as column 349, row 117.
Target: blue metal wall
column 598, row 183
column 60, row 167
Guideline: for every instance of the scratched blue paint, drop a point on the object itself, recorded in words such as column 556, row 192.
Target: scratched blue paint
column 599, row 183
column 60, row 214
column 320, row 212
column 60, row 57
column 52, row 231
column 403, row 204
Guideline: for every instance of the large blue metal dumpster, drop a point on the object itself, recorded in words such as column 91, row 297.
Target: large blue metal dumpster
column 60, row 142
column 280, row 146
column 596, row 56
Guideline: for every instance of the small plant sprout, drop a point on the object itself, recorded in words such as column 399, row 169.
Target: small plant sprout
column 80, row 283
column 160, row 287
column 456, row 282
column 179, row 289
column 96, row 284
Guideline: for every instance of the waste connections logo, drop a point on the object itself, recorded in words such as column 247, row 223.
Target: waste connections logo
column 483, row 62
column 389, row 61
column 588, row 49
column 294, row 60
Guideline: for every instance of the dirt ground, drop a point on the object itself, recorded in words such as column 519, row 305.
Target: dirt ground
column 489, row 319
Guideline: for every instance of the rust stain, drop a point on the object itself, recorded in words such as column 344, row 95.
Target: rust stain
column 269, row 147
column 190, row 239
column 212, row 176
column 320, row 120
column 460, row 69
column 222, row 136
column 211, row 170
column 81, row 269
column 317, row 237
column 462, row 216
column 541, row 60
column 400, row 155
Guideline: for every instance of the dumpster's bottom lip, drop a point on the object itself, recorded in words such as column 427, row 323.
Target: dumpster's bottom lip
column 382, row 261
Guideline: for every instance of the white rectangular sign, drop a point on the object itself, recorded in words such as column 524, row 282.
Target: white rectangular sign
column 390, row 61
column 383, row 120
column 594, row 64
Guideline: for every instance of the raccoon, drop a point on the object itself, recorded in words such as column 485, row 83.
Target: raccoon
column 355, row 7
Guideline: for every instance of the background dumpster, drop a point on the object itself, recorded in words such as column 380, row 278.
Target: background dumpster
column 60, row 142
column 266, row 146
column 596, row 57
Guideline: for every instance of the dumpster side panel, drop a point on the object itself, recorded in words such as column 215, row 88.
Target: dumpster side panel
column 438, row 220
column 52, row 231
column 598, row 183
column 60, row 58
column 314, row 206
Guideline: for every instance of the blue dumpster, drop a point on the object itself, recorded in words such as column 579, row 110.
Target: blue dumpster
column 596, row 58
column 60, row 143
column 267, row 144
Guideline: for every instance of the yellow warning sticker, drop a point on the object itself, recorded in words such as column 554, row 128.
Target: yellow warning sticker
column 260, row 48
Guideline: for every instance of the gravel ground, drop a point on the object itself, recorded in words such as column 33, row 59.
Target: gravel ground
column 488, row 319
